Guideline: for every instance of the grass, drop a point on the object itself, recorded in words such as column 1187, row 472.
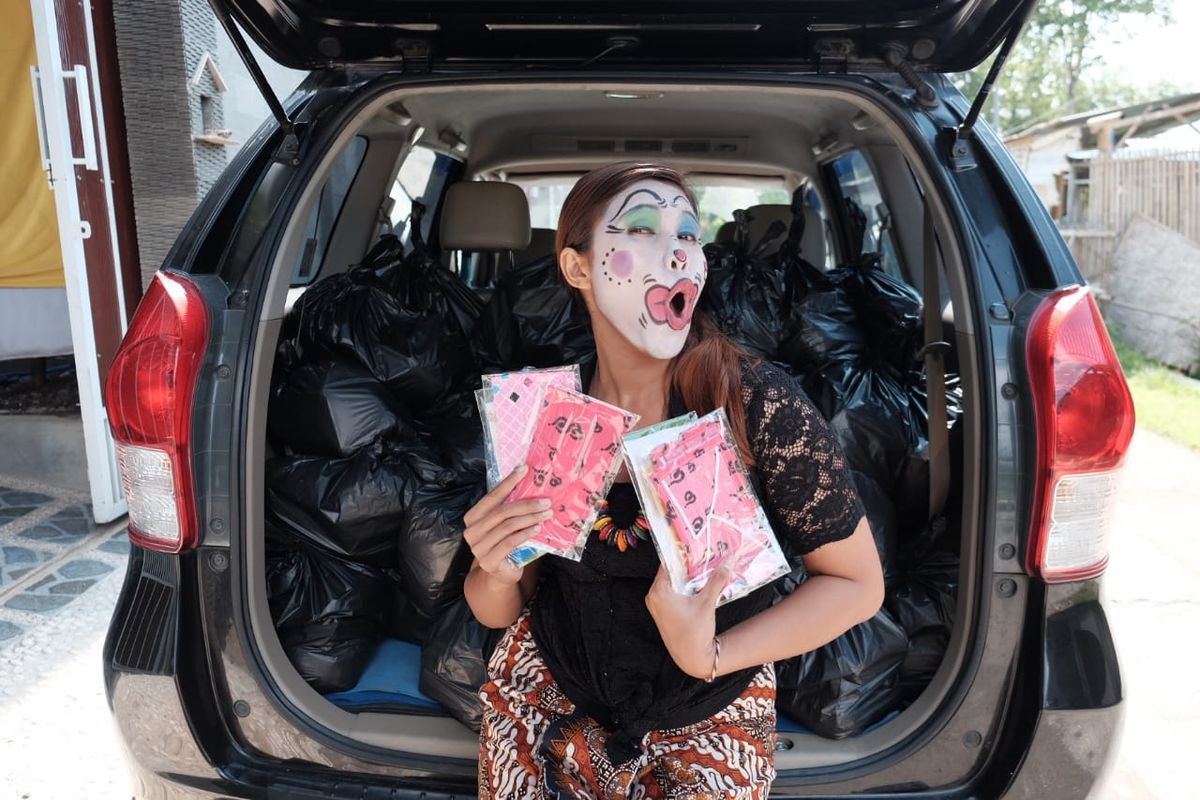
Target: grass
column 1166, row 402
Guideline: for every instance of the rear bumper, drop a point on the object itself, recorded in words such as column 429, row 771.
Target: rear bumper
column 1077, row 735
column 1071, row 755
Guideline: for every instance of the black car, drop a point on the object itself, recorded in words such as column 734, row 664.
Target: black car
column 452, row 131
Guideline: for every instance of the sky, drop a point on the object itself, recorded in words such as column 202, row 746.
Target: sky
column 1148, row 52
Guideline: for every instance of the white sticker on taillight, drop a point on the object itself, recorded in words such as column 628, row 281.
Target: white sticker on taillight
column 149, row 483
column 1080, row 521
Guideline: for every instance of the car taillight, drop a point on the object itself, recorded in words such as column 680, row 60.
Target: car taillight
column 1084, row 417
column 149, row 394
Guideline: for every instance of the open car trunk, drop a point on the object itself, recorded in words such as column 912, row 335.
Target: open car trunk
column 366, row 449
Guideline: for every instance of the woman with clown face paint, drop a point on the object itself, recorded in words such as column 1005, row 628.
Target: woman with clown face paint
column 607, row 683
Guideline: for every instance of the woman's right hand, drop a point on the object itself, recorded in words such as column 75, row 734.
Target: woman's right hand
column 495, row 528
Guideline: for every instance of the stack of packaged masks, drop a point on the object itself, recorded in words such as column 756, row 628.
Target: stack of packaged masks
column 570, row 443
column 702, row 511
column 690, row 480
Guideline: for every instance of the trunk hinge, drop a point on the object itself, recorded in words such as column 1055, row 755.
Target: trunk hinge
column 962, row 135
column 894, row 56
column 833, row 56
column 416, row 56
column 289, row 150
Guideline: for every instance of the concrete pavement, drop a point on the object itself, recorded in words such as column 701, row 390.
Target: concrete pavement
column 1152, row 589
column 60, row 574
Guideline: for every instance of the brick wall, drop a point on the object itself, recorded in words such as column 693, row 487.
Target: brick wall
column 159, row 45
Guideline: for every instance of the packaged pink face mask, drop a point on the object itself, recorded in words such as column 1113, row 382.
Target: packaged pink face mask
column 708, row 512
column 508, row 404
column 573, row 458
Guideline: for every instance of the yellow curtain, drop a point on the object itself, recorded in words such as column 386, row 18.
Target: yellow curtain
column 29, row 249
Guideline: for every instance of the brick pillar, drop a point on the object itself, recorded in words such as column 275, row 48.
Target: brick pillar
column 161, row 47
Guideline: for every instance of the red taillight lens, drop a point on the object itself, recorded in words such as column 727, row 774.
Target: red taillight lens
column 1084, row 415
column 149, row 395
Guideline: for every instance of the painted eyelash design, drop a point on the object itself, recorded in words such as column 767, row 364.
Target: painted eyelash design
column 661, row 202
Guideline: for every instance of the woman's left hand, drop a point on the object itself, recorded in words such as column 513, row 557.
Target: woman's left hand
column 687, row 623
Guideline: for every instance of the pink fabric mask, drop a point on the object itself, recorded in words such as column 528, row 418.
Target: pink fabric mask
column 711, row 508
column 572, row 460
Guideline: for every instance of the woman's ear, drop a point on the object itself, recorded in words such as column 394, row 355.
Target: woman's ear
column 575, row 268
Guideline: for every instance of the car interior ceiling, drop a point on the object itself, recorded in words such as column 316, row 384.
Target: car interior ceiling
column 482, row 226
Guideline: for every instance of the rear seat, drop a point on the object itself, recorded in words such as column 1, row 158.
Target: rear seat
column 812, row 244
column 487, row 223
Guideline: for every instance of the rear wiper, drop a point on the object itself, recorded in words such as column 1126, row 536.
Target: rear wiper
column 612, row 45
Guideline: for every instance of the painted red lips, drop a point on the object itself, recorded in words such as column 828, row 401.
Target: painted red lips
column 674, row 304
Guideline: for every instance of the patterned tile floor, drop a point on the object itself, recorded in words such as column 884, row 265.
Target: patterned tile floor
column 51, row 553
column 60, row 574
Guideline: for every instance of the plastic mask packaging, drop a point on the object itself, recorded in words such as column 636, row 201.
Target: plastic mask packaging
column 701, row 508
column 508, row 405
column 573, row 457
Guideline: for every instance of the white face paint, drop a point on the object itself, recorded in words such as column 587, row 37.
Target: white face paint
column 648, row 266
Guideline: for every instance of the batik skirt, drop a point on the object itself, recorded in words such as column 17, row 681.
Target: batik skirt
column 534, row 744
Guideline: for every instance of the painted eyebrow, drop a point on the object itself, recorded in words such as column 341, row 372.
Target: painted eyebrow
column 640, row 206
column 631, row 195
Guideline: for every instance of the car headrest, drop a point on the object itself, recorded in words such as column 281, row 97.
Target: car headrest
column 484, row 215
column 761, row 217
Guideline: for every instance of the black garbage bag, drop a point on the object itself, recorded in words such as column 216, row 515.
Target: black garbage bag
column 408, row 328
column 723, row 260
column 849, row 684
column 352, row 507
column 532, row 320
column 423, row 284
column 455, row 432
column 911, row 488
column 881, row 514
column 433, row 556
column 888, row 312
column 822, row 329
column 749, row 298
column 855, row 313
column 331, row 408
column 918, row 392
column 454, row 662
column 871, row 434
column 924, row 603
column 329, row 614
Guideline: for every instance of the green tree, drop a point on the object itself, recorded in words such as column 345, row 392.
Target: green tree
column 1057, row 68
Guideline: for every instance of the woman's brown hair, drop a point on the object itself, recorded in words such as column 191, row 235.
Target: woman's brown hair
column 707, row 373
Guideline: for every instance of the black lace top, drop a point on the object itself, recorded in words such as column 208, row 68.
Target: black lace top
column 589, row 618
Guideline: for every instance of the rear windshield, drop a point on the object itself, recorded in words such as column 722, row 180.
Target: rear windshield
column 719, row 196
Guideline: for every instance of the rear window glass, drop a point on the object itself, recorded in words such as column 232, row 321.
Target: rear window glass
column 718, row 197
column 319, row 229
column 864, row 216
column 546, row 197
column 412, row 181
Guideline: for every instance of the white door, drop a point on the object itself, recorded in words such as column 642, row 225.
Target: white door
column 67, row 93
